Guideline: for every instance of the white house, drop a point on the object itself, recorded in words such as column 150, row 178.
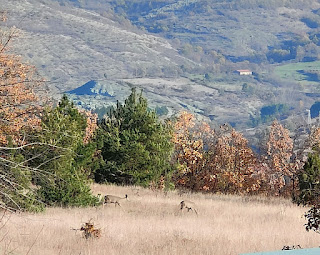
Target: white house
column 244, row 72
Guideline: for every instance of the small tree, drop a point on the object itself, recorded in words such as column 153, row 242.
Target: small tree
column 136, row 146
column 309, row 181
column 309, row 191
column 279, row 152
column 19, row 113
column 189, row 140
column 232, row 162
column 67, row 162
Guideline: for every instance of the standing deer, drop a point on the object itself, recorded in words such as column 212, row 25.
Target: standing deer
column 113, row 199
column 187, row 204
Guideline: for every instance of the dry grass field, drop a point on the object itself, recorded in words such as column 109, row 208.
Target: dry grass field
column 151, row 222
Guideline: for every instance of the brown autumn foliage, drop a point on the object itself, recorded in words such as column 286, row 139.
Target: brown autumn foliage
column 222, row 161
column 18, row 103
column 231, row 165
column 279, row 153
column 92, row 125
column 226, row 165
column 188, row 151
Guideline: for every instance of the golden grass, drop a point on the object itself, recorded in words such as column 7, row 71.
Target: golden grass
column 151, row 223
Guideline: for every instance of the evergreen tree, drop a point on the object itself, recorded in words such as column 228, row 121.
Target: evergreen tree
column 136, row 146
column 17, row 193
column 67, row 160
column 309, row 181
column 309, row 191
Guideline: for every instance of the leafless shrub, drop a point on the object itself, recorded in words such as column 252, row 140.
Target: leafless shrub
column 89, row 231
column 293, row 247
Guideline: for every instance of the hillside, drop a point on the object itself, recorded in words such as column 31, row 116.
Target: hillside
column 183, row 54
column 240, row 30
column 71, row 46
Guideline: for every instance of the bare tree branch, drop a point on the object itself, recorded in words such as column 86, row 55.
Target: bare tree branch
column 33, row 144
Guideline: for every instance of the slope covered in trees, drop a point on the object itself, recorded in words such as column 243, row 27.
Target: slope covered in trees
column 182, row 53
column 256, row 30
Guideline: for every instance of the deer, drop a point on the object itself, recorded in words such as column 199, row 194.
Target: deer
column 113, row 199
column 188, row 205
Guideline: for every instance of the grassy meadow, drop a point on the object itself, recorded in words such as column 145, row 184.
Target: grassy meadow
column 150, row 222
column 296, row 72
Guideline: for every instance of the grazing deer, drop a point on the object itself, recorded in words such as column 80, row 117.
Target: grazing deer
column 113, row 199
column 187, row 204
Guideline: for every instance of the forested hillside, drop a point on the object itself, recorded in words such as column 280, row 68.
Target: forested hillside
column 241, row 30
column 183, row 54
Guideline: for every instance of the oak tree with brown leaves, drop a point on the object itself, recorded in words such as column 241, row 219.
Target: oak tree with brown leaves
column 19, row 107
column 189, row 152
column 232, row 163
column 213, row 161
column 279, row 153
column 19, row 114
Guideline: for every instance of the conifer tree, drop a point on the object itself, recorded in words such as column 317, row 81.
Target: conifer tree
column 309, row 191
column 136, row 146
column 309, row 181
column 68, row 160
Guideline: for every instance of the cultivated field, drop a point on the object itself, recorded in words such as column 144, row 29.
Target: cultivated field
column 151, row 222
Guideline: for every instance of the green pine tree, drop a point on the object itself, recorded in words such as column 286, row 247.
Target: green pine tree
column 309, row 191
column 309, row 181
column 67, row 162
column 17, row 193
column 136, row 146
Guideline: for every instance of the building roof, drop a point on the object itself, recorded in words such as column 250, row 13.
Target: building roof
column 244, row 70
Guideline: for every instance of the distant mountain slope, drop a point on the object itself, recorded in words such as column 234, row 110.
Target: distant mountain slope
column 70, row 46
column 96, row 55
column 176, row 95
column 239, row 29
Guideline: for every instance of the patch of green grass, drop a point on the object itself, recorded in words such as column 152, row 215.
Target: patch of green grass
column 297, row 72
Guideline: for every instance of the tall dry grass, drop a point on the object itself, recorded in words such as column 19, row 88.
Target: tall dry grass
column 151, row 223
